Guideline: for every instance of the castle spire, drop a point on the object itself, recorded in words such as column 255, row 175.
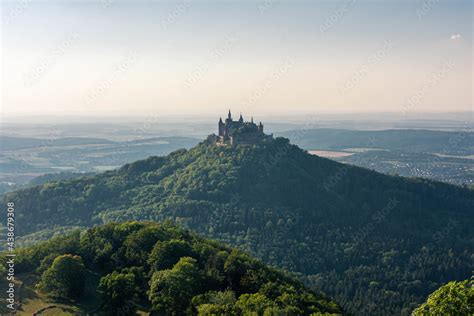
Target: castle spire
column 220, row 120
column 251, row 120
column 229, row 116
column 241, row 119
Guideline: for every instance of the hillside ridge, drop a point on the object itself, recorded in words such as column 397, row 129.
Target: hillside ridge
column 329, row 221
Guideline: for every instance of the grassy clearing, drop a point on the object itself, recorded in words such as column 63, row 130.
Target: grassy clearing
column 33, row 300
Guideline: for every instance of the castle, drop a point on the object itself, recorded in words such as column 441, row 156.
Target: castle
column 238, row 132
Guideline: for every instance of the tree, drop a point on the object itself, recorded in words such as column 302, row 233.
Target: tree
column 215, row 303
column 166, row 253
column 46, row 262
column 171, row 290
column 137, row 245
column 257, row 303
column 120, row 292
column 454, row 298
column 236, row 266
column 65, row 278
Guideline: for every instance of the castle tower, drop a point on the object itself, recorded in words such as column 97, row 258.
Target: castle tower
column 260, row 127
column 220, row 127
column 241, row 119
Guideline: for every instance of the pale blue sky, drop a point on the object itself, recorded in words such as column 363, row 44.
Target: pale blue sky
column 259, row 57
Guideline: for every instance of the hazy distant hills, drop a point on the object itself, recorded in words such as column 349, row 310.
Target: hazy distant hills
column 378, row 244
column 22, row 159
column 438, row 155
column 12, row 143
column 411, row 140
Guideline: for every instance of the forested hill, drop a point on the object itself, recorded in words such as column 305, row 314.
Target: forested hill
column 164, row 269
column 379, row 244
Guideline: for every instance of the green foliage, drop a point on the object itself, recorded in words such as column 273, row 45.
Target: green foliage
column 332, row 223
column 137, row 245
column 166, row 253
column 216, row 303
column 187, row 274
column 254, row 303
column 120, row 292
column 64, row 278
column 172, row 290
column 454, row 298
column 46, row 262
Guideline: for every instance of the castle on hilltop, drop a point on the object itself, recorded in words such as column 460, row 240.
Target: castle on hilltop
column 238, row 132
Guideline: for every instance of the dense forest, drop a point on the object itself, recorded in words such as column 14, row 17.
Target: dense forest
column 163, row 268
column 378, row 244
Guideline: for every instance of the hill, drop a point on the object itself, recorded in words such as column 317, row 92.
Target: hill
column 379, row 244
column 454, row 298
column 161, row 268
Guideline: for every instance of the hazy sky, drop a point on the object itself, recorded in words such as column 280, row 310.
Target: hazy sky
column 256, row 57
